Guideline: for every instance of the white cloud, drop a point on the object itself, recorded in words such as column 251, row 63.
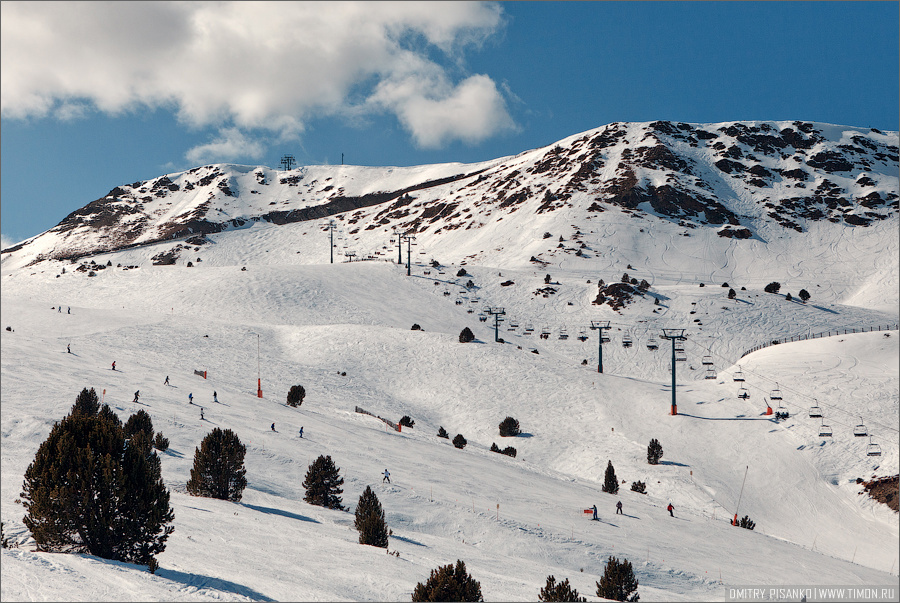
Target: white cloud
column 253, row 65
column 6, row 242
column 231, row 144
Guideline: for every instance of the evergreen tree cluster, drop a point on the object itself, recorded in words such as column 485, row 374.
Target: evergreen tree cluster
column 323, row 484
column 746, row 522
column 509, row 427
column 406, row 421
column 218, row 470
column 561, row 591
column 442, row 433
column 466, row 335
column 508, row 451
column 618, row 582
column 772, row 287
column 449, row 583
column 654, row 452
column 459, row 441
column 639, row 487
column 93, row 489
column 369, row 520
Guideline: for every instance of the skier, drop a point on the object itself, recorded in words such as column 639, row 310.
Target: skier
column 166, row 382
column 69, row 348
column 69, row 310
column 387, row 477
column 301, row 431
column 191, row 398
column 215, row 399
column 595, row 518
column 114, row 365
column 59, row 308
column 201, row 414
column 619, row 508
column 273, row 426
column 670, row 508
column 136, row 396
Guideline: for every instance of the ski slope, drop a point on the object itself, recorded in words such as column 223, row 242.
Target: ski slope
column 513, row 521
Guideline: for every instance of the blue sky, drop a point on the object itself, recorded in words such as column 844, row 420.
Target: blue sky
column 95, row 95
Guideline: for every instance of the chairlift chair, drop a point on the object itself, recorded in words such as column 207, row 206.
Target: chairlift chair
column 427, row 272
column 446, row 293
column 582, row 335
column 482, row 317
column 707, row 360
column 545, row 333
column 776, row 393
column 679, row 347
column 860, row 431
column 514, row 324
column 738, row 375
column 743, row 393
column 529, row 328
column 563, row 334
column 682, row 357
column 824, row 430
column 604, row 338
column 873, row 449
column 815, row 411
column 710, row 374
column 652, row 345
column 470, row 311
column 626, row 341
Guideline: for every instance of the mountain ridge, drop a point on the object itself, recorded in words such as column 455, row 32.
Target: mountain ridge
column 742, row 177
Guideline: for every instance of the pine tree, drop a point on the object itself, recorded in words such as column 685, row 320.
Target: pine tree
column 87, row 402
column 466, row 335
column 559, row 592
column 139, row 421
column 459, row 441
column 160, row 443
column 442, row 433
column 509, row 451
column 323, row 484
column 610, row 482
column 772, row 287
column 295, row 395
column 494, row 447
column 87, row 490
column 370, row 520
column 618, row 582
column 639, row 487
column 732, row 294
column 218, row 470
column 509, row 427
column 406, row 421
column 654, row 452
column 448, row 583
column 746, row 522
column 803, row 295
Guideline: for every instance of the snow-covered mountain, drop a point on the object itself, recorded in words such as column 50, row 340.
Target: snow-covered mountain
column 223, row 267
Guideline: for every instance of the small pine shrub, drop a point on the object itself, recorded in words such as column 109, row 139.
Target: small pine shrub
column 323, row 484
column 406, row 421
column 459, row 441
column 788, row 297
column 559, row 592
column 494, row 447
column 295, row 395
column 416, row 327
column 746, row 522
column 509, row 451
column 369, row 522
column 153, row 565
column 625, row 278
column 547, row 279
column 509, row 428
column 4, row 541
column 654, row 452
column 449, row 583
column 466, row 335
column 618, row 582
column 732, row 294
column 610, row 481
column 639, row 487
column 161, row 443
column 218, row 470
column 803, row 295
column 772, row 287
column 462, row 272
column 139, row 421
column 644, row 285
column 442, row 433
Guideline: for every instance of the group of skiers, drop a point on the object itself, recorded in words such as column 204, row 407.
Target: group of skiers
column 619, row 511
